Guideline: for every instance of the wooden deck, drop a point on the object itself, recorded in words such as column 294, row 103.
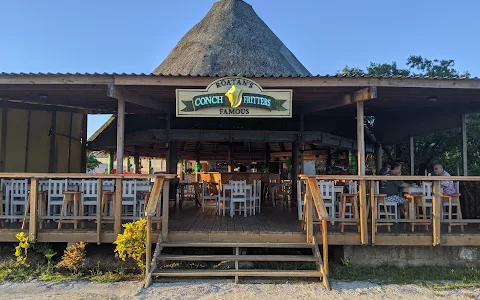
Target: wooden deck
column 193, row 219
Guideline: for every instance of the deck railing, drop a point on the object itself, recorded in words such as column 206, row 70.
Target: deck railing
column 35, row 214
column 367, row 207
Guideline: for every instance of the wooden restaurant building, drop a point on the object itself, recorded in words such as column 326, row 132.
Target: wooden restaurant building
column 231, row 92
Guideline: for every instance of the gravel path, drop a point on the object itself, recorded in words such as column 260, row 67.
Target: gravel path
column 224, row 290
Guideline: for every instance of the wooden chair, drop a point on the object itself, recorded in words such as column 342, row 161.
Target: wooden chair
column 157, row 209
column 108, row 204
column 42, row 209
column 450, row 201
column 327, row 191
column 89, row 187
column 18, row 196
column 56, row 188
column 71, row 201
column 208, row 196
column 223, row 200
column 381, row 201
column 129, row 198
column 349, row 200
column 239, row 196
column 417, row 201
column 257, row 195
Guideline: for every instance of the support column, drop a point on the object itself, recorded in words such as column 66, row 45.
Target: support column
column 295, row 168
column 464, row 145
column 111, row 155
column 360, row 139
column 53, row 135
column 412, row 156
column 230, row 158
column 361, row 172
column 136, row 162
column 120, row 134
column 302, row 143
column 197, row 161
column 83, row 166
column 3, row 149
column 378, row 158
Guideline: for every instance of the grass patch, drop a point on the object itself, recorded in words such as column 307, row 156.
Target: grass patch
column 430, row 276
column 107, row 277
column 11, row 271
column 58, row 277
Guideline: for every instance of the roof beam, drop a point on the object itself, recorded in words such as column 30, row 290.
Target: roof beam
column 119, row 92
column 364, row 94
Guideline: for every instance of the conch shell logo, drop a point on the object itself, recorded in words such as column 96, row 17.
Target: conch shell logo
column 234, row 96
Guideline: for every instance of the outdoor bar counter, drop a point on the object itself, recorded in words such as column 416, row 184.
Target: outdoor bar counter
column 248, row 177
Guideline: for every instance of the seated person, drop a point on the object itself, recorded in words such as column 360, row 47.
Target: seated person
column 447, row 185
column 392, row 187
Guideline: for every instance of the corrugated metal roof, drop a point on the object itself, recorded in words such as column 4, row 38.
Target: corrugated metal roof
column 231, row 75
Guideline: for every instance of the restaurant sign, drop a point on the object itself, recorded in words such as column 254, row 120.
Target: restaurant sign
column 234, row 97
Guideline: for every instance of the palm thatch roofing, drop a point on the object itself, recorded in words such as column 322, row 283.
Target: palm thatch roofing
column 231, row 39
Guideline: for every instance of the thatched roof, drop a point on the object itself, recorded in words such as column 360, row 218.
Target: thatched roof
column 231, row 40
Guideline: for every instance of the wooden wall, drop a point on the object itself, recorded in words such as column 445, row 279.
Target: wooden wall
column 28, row 138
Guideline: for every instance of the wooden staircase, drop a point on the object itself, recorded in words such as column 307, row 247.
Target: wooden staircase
column 237, row 248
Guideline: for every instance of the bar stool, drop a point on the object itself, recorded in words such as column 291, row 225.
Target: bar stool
column 381, row 200
column 349, row 199
column 69, row 199
column 107, row 198
column 417, row 200
column 157, row 209
column 42, row 208
column 455, row 200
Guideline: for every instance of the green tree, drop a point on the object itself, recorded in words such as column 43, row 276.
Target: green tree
column 92, row 162
column 444, row 146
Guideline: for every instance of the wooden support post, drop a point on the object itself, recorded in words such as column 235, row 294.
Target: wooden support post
column 230, row 158
column 325, row 246
column 436, row 212
column 136, row 162
column 361, row 172
column 165, row 208
column 412, row 156
column 378, row 158
column 69, row 153
column 111, row 155
column 148, row 254
column 197, row 159
column 363, row 212
column 464, row 145
column 32, row 225
column 295, row 168
column 27, row 143
column 120, row 134
column 3, row 149
column 373, row 205
column 83, row 165
column 118, row 207
column 99, row 209
column 53, row 143
column 302, row 143
column 360, row 139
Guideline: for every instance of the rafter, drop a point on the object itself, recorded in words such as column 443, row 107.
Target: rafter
column 119, row 92
column 364, row 94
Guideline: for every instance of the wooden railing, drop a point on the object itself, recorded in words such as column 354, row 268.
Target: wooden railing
column 313, row 199
column 34, row 217
column 368, row 205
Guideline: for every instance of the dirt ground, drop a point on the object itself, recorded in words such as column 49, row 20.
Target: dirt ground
column 224, row 290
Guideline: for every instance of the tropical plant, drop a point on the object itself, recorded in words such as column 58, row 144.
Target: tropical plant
column 73, row 257
column 132, row 243
column 22, row 248
column 92, row 162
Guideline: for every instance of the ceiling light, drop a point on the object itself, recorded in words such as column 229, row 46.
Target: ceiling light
column 433, row 99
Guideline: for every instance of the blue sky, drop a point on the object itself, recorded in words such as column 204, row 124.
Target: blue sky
column 135, row 36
